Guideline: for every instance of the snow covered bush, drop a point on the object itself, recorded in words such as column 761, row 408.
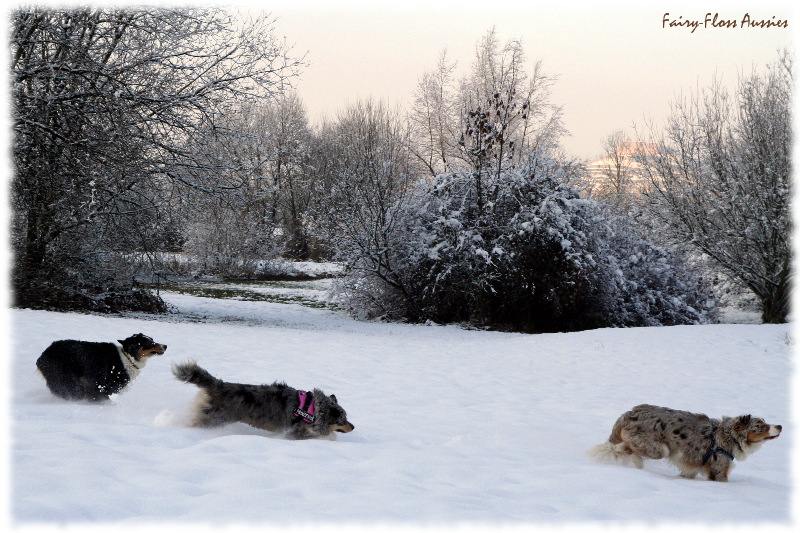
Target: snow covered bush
column 530, row 256
column 498, row 238
column 519, row 259
column 650, row 285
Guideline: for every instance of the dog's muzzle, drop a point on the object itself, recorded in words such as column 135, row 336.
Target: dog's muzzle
column 344, row 428
column 774, row 432
column 155, row 349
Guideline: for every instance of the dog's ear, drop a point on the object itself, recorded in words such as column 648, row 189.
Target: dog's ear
column 742, row 422
column 333, row 397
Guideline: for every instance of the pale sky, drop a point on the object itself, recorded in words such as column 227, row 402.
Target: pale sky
column 615, row 63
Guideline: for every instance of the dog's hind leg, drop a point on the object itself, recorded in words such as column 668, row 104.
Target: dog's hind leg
column 62, row 384
column 206, row 413
column 619, row 445
column 622, row 449
column 642, row 445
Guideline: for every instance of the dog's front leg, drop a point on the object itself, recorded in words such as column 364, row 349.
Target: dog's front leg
column 719, row 472
column 300, row 432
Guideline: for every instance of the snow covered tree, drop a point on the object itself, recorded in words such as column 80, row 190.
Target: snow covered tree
column 363, row 169
column 523, row 262
column 492, row 117
column 647, row 284
column 290, row 141
column 112, row 114
column 232, row 232
column 721, row 180
column 434, row 119
column 538, row 258
column 501, row 240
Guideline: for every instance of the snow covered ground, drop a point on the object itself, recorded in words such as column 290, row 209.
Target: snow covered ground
column 451, row 426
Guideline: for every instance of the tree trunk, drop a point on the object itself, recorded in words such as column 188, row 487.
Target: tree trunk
column 775, row 304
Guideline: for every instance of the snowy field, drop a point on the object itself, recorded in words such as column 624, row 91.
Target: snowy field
column 452, row 427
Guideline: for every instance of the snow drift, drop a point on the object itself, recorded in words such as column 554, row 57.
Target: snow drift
column 452, row 426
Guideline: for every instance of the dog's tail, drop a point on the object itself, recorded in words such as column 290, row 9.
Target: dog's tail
column 191, row 372
column 605, row 453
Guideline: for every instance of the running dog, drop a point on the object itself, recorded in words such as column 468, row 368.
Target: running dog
column 693, row 442
column 276, row 407
column 81, row 370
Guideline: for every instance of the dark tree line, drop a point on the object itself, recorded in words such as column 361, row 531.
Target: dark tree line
column 114, row 110
column 173, row 135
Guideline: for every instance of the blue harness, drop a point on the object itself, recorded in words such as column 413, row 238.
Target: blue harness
column 714, row 450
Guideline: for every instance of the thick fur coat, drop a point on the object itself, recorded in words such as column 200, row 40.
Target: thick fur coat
column 268, row 407
column 82, row 370
column 693, row 442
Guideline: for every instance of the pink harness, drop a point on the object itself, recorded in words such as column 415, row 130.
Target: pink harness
column 306, row 412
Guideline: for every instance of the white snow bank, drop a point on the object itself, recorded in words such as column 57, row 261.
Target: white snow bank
column 451, row 426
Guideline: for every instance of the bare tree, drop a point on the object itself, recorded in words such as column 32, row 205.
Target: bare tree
column 488, row 120
column 615, row 178
column 435, row 119
column 617, row 169
column 721, row 180
column 367, row 171
column 114, row 110
column 516, row 105
column 289, row 139
column 511, row 102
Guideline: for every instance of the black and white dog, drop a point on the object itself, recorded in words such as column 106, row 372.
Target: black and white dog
column 81, row 370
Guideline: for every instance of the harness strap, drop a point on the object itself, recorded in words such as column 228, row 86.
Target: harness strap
column 714, row 450
column 307, row 409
